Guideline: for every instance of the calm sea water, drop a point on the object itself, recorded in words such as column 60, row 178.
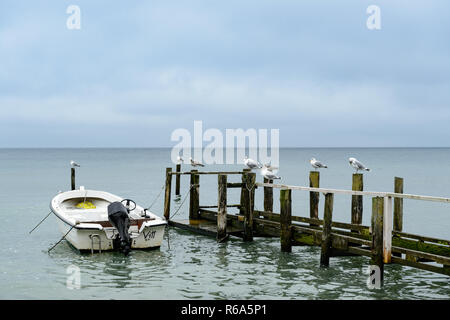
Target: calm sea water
column 189, row 266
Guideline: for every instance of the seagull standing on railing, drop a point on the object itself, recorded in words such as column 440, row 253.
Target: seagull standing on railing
column 73, row 164
column 251, row 164
column 317, row 164
column 268, row 174
column 357, row 165
column 196, row 163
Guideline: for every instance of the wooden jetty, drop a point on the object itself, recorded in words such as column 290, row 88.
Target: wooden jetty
column 383, row 241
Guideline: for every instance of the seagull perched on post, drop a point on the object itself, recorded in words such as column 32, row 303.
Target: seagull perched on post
column 268, row 174
column 251, row 164
column 73, row 164
column 180, row 160
column 317, row 164
column 270, row 167
column 357, row 165
column 196, row 163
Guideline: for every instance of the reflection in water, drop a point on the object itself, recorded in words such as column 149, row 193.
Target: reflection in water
column 197, row 267
column 119, row 267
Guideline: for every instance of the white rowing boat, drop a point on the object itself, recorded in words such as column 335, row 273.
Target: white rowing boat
column 93, row 220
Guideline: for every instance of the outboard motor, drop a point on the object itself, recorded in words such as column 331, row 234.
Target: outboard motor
column 118, row 216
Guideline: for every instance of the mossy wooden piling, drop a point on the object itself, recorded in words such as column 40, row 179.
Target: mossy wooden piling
column 314, row 178
column 72, row 178
column 377, row 234
column 241, row 210
column 326, row 233
column 398, row 209
column 286, row 220
column 168, row 187
column 248, row 203
column 222, row 208
column 194, row 195
column 178, row 179
column 268, row 196
column 357, row 200
column 398, row 205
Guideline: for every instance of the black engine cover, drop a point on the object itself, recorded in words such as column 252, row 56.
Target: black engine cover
column 118, row 216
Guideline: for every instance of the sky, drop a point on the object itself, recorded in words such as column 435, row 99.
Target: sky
column 138, row 70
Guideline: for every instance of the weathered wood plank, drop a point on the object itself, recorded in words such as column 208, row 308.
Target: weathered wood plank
column 424, row 266
column 208, row 172
column 422, row 238
column 424, row 255
column 358, row 193
column 214, row 206
column 421, row 246
column 231, row 185
column 276, row 217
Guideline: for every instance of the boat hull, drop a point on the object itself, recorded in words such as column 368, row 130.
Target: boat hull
column 150, row 237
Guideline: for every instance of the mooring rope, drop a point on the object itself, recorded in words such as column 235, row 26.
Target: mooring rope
column 157, row 197
column 61, row 239
column 185, row 197
column 250, row 192
column 40, row 222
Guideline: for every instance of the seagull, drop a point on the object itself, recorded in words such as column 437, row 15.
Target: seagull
column 268, row 174
column 180, row 159
column 252, row 164
column 270, row 167
column 196, row 163
column 357, row 165
column 317, row 164
column 73, row 164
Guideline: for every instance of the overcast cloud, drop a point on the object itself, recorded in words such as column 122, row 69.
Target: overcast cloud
column 137, row 70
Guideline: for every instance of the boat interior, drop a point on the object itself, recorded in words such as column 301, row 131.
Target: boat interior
column 95, row 210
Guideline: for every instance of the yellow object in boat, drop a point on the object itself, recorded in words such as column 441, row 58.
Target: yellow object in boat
column 86, row 205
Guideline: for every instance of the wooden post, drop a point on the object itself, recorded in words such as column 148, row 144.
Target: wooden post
column 167, row 193
column 377, row 234
column 177, row 180
column 326, row 232
column 241, row 209
column 222, row 209
column 314, row 177
column 398, row 209
column 194, row 195
column 398, row 205
column 357, row 201
column 387, row 229
column 249, row 185
column 285, row 220
column 72, row 178
column 268, row 196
